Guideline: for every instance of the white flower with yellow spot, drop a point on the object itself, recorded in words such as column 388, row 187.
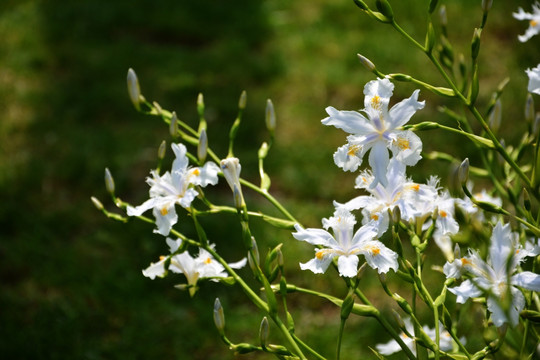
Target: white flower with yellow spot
column 204, row 266
column 346, row 246
column 534, row 21
column 175, row 187
column 377, row 131
column 398, row 192
column 496, row 277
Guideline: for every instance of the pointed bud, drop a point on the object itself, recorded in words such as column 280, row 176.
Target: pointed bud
column 457, row 252
column 463, row 172
column 173, row 126
column 162, row 149
column 280, row 257
column 157, row 107
column 396, row 214
column 202, row 148
column 219, row 317
column 109, row 182
column 495, row 116
column 242, row 101
column 263, row 332
column 200, row 105
column 97, row 203
column 134, row 90
column 486, row 5
column 253, row 260
column 475, row 44
column 270, row 116
column 366, row 62
column 529, row 109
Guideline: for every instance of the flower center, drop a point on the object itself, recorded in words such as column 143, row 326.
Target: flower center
column 443, row 213
column 533, row 23
column 402, row 144
column 207, row 261
column 164, row 211
column 353, row 149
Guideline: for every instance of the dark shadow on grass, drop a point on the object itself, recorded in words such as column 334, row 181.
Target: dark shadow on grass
column 71, row 278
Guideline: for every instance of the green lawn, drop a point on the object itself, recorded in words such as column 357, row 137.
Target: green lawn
column 71, row 280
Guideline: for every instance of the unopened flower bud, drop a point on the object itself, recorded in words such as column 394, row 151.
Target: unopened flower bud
column 463, row 172
column 109, row 182
column 396, row 214
column 529, row 108
column 242, row 101
column 486, row 5
column 270, row 116
column 231, row 171
column 366, row 62
column 157, row 107
column 219, row 317
column 238, row 197
column 253, row 261
column 457, row 252
column 279, row 257
column 173, row 126
column 162, row 149
column 200, row 105
column 475, row 44
column 495, row 116
column 134, row 90
column 263, row 332
column 202, row 148
column 97, row 203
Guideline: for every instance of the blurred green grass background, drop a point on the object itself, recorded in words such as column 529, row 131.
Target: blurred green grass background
column 71, row 286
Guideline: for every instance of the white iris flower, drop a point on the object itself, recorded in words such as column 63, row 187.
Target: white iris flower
column 377, row 131
column 534, row 80
column 346, row 245
column 397, row 192
column 204, row 266
column 534, row 21
column 175, row 187
column 497, row 277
